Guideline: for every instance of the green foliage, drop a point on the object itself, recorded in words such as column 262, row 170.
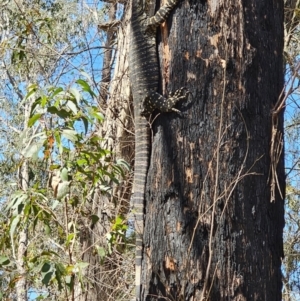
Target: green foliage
column 76, row 165
column 118, row 233
column 57, row 146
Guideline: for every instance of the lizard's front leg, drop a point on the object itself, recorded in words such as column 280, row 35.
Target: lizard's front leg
column 153, row 100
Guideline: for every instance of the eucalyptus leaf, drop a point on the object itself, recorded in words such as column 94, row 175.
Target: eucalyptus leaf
column 76, row 94
column 70, row 134
column 33, row 119
column 64, row 174
column 63, row 189
column 82, row 265
column 13, row 225
column 4, row 260
column 47, row 277
column 72, row 106
column 85, row 87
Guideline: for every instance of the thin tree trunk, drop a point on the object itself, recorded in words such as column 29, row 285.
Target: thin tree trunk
column 108, row 54
column 21, row 285
column 211, row 230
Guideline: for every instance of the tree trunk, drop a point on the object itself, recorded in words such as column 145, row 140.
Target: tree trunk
column 21, row 285
column 212, row 229
column 108, row 54
column 104, row 275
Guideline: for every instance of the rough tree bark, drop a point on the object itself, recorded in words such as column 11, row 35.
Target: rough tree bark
column 108, row 54
column 116, row 131
column 22, row 285
column 211, row 230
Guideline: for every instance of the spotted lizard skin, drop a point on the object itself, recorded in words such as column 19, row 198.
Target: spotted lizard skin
column 144, row 79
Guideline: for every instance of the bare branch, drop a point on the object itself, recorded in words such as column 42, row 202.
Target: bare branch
column 9, row 126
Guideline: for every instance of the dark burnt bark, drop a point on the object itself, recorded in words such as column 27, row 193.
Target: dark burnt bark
column 211, row 230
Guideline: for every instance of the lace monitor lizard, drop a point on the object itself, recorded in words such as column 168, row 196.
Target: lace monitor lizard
column 144, row 77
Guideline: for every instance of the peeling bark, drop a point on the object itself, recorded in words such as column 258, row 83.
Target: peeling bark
column 117, row 134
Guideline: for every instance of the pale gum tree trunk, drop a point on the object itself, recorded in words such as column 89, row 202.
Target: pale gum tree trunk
column 211, row 230
column 117, row 133
column 21, row 285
